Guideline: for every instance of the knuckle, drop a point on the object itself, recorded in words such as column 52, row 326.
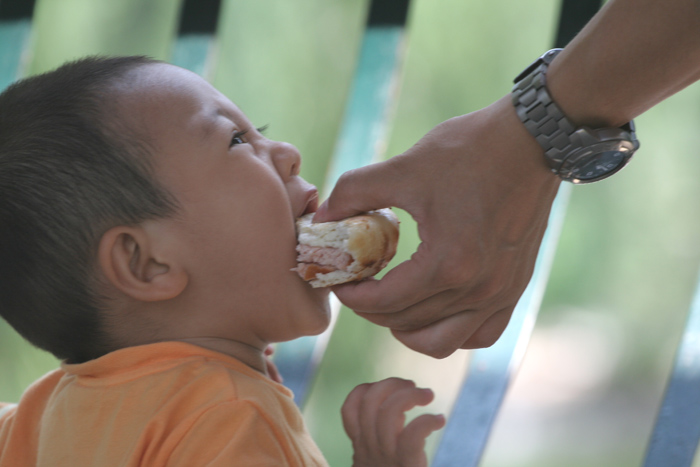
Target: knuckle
column 345, row 181
column 490, row 289
column 481, row 340
column 439, row 351
column 398, row 383
column 420, row 317
column 405, row 320
column 490, row 332
column 361, row 390
column 357, row 394
column 387, row 305
column 436, row 348
column 458, row 270
column 404, row 324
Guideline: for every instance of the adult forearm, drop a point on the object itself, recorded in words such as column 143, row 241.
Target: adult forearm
column 631, row 56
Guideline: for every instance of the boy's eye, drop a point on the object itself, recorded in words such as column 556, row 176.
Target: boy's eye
column 238, row 138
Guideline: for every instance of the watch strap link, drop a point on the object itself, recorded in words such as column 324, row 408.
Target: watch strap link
column 541, row 116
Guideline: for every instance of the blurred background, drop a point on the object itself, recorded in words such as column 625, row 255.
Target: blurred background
column 590, row 384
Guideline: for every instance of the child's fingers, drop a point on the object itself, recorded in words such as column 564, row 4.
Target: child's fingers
column 375, row 397
column 374, row 416
column 350, row 411
column 411, row 443
column 391, row 414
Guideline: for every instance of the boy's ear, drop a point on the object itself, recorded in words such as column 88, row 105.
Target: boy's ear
column 138, row 266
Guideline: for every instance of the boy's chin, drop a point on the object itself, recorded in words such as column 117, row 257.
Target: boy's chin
column 322, row 311
column 318, row 293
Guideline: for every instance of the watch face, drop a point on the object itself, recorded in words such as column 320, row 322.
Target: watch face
column 596, row 162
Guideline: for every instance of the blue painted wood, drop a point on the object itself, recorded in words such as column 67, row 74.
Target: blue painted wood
column 677, row 430
column 194, row 47
column 364, row 133
column 194, row 52
column 14, row 45
column 490, row 370
column 362, row 141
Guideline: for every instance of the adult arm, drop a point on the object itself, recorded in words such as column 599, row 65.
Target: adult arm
column 631, row 56
column 479, row 188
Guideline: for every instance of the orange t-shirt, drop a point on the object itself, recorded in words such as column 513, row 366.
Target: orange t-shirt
column 165, row 404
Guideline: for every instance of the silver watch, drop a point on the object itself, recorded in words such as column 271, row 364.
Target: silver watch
column 578, row 155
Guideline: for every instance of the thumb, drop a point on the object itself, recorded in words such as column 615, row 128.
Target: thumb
column 359, row 190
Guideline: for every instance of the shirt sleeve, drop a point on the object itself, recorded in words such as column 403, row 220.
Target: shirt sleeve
column 235, row 433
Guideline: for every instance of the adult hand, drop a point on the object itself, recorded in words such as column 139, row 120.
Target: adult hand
column 481, row 192
column 373, row 418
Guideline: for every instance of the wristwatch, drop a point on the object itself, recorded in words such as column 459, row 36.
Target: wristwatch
column 578, row 155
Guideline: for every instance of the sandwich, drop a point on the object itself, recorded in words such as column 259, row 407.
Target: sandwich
column 353, row 249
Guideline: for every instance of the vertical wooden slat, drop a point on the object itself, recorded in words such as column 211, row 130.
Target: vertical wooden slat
column 196, row 38
column 573, row 16
column 490, row 370
column 676, row 433
column 363, row 137
column 15, row 31
column 362, row 140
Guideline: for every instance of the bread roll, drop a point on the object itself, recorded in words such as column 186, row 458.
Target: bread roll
column 336, row 252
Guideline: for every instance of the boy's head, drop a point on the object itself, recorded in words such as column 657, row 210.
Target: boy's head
column 138, row 204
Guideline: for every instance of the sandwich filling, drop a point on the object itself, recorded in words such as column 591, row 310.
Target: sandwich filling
column 336, row 252
column 315, row 260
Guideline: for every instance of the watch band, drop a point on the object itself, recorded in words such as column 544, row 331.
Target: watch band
column 541, row 116
column 575, row 154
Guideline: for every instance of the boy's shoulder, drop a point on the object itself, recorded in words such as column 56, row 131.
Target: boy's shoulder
column 173, row 387
column 159, row 402
column 215, row 376
column 174, row 368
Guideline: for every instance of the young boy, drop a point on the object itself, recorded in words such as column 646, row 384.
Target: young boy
column 146, row 239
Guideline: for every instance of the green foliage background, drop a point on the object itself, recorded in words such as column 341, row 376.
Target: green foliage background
column 629, row 252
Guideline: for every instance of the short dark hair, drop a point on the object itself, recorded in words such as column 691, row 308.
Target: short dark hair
column 68, row 173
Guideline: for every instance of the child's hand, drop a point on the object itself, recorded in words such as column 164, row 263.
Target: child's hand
column 272, row 371
column 373, row 417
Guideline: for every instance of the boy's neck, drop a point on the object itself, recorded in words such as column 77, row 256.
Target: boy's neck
column 146, row 325
column 248, row 354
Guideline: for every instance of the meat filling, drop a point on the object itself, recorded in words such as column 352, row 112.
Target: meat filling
column 315, row 260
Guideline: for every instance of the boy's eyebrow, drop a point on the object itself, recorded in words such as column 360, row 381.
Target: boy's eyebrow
column 224, row 112
column 208, row 127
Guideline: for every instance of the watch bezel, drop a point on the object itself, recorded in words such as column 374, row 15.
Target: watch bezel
column 566, row 146
column 567, row 169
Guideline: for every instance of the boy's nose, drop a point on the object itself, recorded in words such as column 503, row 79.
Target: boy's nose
column 286, row 159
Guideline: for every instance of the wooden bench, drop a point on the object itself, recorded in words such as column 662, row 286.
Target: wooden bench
column 362, row 139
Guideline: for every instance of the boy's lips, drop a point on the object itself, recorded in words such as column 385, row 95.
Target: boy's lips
column 310, row 203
